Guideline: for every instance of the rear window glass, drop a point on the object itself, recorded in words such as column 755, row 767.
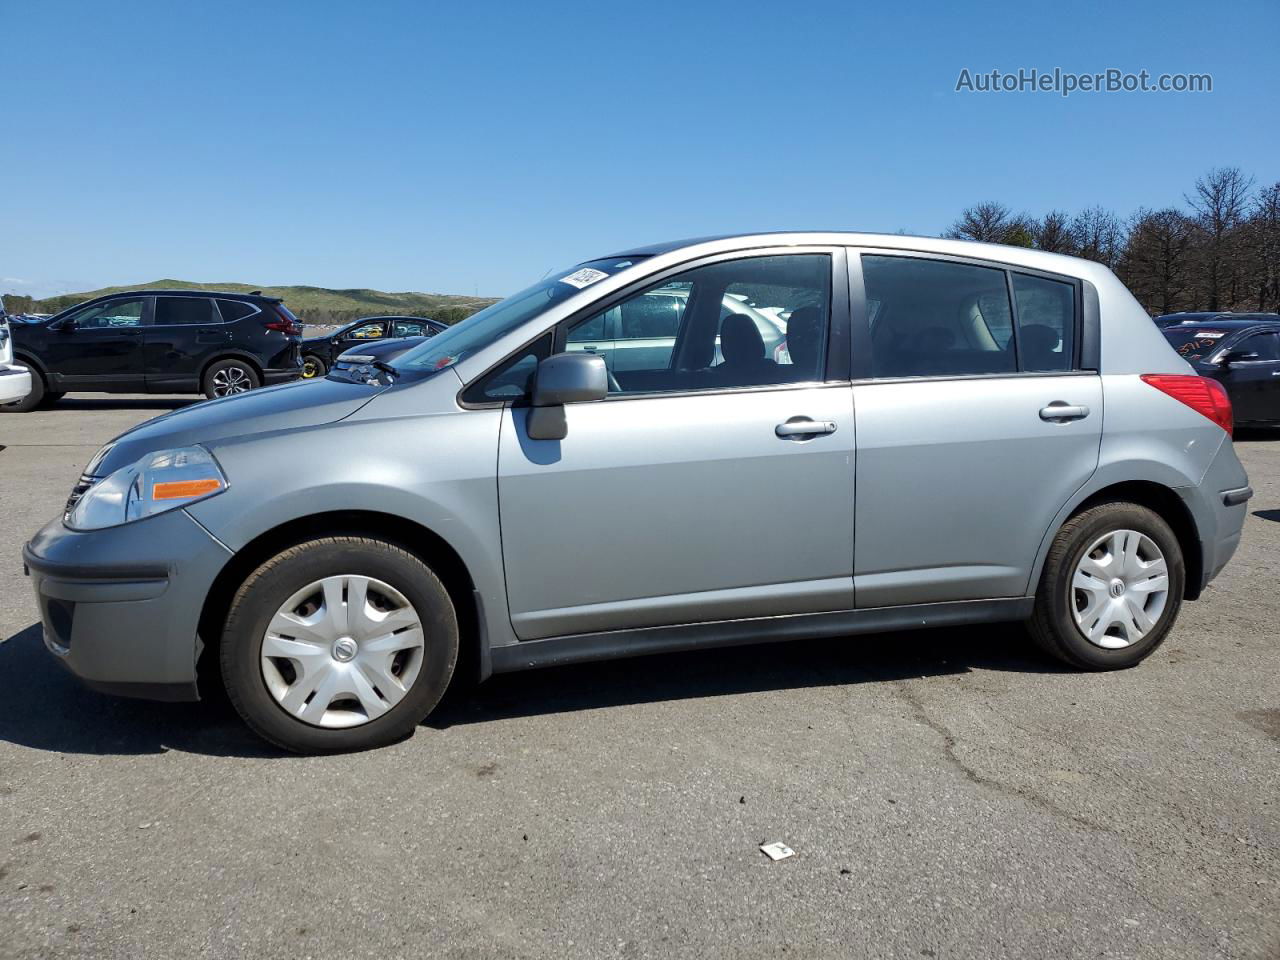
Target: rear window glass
column 182, row 311
column 1195, row 345
column 233, row 310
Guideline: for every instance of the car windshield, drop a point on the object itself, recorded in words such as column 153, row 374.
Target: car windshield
column 1194, row 344
column 473, row 334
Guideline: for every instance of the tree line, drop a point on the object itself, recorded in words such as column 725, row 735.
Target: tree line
column 1218, row 250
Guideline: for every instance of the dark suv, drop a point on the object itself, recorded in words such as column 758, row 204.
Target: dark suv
column 319, row 353
column 160, row 341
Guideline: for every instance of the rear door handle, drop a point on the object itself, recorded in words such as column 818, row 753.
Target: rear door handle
column 798, row 428
column 1059, row 412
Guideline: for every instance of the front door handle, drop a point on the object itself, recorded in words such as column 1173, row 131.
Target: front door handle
column 800, row 428
column 1059, row 412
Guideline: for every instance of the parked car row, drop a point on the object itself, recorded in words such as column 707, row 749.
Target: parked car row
column 178, row 341
column 15, row 380
column 595, row 467
column 1240, row 351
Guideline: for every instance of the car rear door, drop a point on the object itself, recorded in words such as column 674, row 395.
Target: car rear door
column 976, row 422
column 697, row 491
column 183, row 334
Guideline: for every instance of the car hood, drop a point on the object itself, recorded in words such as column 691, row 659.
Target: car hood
column 306, row 403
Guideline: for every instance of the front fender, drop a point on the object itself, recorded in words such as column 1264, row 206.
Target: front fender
column 436, row 471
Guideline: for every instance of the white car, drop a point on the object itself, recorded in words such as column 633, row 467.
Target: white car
column 15, row 381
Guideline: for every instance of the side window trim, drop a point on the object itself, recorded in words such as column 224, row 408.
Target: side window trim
column 1086, row 340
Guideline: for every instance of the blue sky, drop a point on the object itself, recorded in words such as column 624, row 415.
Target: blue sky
column 470, row 147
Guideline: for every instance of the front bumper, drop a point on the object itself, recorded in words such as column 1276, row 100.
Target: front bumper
column 121, row 607
column 15, row 383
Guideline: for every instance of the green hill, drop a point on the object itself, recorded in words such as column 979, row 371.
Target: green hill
column 311, row 304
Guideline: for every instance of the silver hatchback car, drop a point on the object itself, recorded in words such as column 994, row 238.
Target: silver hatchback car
column 955, row 433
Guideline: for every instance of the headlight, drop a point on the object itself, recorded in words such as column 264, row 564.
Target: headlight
column 160, row 481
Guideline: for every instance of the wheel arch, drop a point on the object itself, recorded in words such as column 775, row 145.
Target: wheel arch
column 422, row 542
column 32, row 363
column 1155, row 496
column 229, row 355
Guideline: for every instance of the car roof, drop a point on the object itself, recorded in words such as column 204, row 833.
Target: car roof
column 1001, row 253
column 222, row 294
column 1227, row 322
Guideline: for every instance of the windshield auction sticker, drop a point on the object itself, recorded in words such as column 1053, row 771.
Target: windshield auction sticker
column 584, row 277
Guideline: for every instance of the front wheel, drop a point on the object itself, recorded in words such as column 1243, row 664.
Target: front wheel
column 339, row 644
column 1111, row 588
column 226, row 378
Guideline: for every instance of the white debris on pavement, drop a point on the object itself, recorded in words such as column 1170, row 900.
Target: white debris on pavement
column 777, row 851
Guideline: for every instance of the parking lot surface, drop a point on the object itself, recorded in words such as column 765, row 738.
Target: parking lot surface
column 947, row 793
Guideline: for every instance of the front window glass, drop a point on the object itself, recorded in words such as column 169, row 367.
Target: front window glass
column 737, row 323
column 1265, row 345
column 366, row 331
column 468, row 337
column 105, row 316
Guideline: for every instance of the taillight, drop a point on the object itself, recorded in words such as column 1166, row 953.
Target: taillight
column 1204, row 396
column 284, row 323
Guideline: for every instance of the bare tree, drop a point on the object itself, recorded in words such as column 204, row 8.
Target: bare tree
column 1052, row 233
column 1097, row 234
column 1263, row 238
column 1220, row 202
column 991, row 222
column 1157, row 262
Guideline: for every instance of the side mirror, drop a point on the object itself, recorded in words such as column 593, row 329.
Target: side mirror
column 560, row 379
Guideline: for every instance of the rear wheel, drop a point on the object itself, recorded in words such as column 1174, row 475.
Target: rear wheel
column 1111, row 588
column 226, row 378
column 31, row 400
column 52, row 397
column 313, row 367
column 339, row 644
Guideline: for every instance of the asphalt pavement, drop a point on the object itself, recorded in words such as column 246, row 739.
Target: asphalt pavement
column 947, row 793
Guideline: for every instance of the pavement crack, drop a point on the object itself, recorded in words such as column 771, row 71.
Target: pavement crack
column 949, row 743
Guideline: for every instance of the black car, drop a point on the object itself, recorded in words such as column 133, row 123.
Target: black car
column 1242, row 352
column 381, row 350
column 161, row 341
column 319, row 353
column 1209, row 316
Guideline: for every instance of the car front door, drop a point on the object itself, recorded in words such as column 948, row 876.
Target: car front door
column 99, row 347
column 184, row 332
column 1253, row 380
column 697, row 491
column 975, row 424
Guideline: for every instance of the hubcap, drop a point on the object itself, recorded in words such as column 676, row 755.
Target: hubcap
column 342, row 651
column 230, row 381
column 1119, row 589
column 310, row 369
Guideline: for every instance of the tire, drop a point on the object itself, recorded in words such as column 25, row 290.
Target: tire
column 52, row 397
column 228, row 378
column 31, row 400
column 342, row 714
column 1119, row 588
column 313, row 367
